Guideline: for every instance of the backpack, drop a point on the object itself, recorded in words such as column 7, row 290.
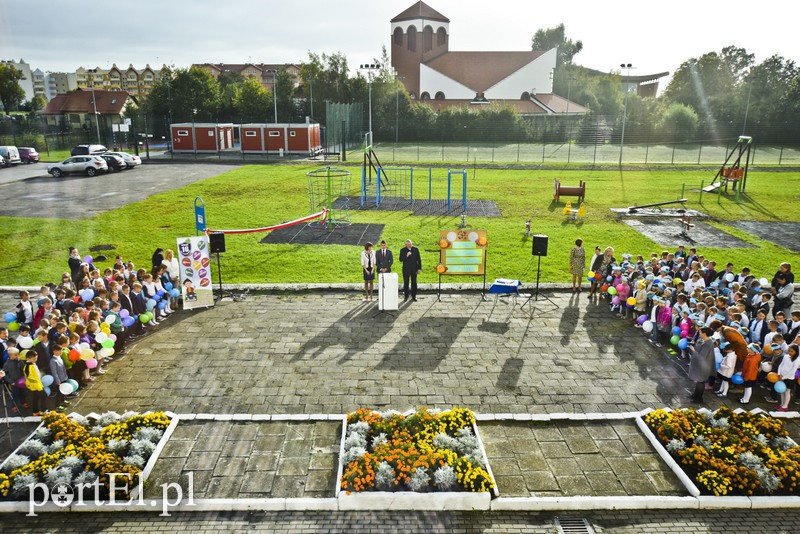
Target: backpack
column 20, row 314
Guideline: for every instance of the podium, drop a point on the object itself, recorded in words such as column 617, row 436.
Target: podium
column 388, row 297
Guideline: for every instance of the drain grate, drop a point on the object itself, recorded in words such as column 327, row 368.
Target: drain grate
column 573, row 525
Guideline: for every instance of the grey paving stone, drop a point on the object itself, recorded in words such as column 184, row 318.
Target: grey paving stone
column 538, row 481
column 296, row 449
column 236, row 448
column 223, row 487
column 175, row 449
column 512, row 486
column 201, row 461
column 186, row 431
column 666, row 482
column 243, row 432
column 230, row 467
column 262, row 461
column 209, row 443
column 592, row 462
column 528, row 462
column 257, row 482
column 327, row 461
column 605, row 483
column 564, row 466
column 555, row 449
column 268, row 443
column 612, row 447
column 288, row 486
column 574, row 485
column 582, row 445
column 321, row 481
column 504, row 466
column 293, row 466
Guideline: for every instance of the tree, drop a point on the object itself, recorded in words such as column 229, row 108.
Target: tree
column 230, row 85
column 679, row 123
column 253, row 103
column 11, row 93
column 186, row 95
column 556, row 37
column 708, row 85
column 38, row 103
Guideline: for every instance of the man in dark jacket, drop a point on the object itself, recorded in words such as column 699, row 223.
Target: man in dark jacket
column 384, row 259
column 412, row 266
column 702, row 364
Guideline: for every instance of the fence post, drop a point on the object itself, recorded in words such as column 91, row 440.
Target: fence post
column 430, row 184
column 442, row 150
column 543, row 144
column 411, row 192
column 449, row 178
column 699, row 153
column 702, row 183
column 646, row 152
column 780, row 156
column 518, row 151
column 683, row 190
column 673, row 153
column 492, row 151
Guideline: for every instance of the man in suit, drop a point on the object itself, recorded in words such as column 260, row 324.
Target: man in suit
column 384, row 259
column 412, row 266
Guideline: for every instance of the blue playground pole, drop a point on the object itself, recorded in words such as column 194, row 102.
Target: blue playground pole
column 430, row 184
column 363, row 185
column 448, row 189
column 378, row 186
column 411, row 185
column 464, row 190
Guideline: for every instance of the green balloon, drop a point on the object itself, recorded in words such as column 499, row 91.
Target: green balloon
column 108, row 343
column 144, row 317
column 675, row 339
column 612, row 291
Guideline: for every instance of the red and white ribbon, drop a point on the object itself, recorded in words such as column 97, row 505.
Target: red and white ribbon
column 323, row 214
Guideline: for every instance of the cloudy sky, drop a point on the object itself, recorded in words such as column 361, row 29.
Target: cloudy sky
column 62, row 35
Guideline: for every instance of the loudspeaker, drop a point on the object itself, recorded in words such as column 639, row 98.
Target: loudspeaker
column 216, row 242
column 539, row 245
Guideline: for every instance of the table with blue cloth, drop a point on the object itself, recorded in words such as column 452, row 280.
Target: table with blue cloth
column 505, row 287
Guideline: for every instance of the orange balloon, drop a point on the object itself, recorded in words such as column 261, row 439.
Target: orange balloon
column 444, row 243
column 441, row 268
column 481, row 241
column 773, row 377
column 768, row 349
column 74, row 355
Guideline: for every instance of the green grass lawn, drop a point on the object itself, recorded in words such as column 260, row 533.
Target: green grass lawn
column 54, row 156
column 35, row 250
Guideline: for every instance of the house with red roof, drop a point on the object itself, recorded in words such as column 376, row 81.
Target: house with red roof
column 75, row 109
column 442, row 78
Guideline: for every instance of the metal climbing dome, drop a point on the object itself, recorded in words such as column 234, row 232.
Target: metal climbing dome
column 326, row 186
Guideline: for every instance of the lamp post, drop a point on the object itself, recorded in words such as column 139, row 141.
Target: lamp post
column 370, row 68
column 624, row 111
column 194, row 133
column 274, row 93
column 94, row 104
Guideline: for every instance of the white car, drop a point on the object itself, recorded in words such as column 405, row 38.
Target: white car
column 89, row 165
column 131, row 161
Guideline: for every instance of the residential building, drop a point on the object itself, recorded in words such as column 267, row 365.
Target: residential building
column 38, row 83
column 137, row 82
column 59, row 83
column 27, row 83
column 441, row 78
column 263, row 72
column 76, row 109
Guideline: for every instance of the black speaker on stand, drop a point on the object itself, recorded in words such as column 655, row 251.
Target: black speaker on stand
column 539, row 249
column 216, row 245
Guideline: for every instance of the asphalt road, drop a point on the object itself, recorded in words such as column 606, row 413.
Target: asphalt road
column 28, row 191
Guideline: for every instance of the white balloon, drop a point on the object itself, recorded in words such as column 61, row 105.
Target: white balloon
column 84, row 346
column 104, row 352
column 100, row 337
column 729, row 277
column 25, row 342
column 764, row 282
column 473, row 236
column 110, row 319
column 451, row 236
column 766, row 367
column 647, row 326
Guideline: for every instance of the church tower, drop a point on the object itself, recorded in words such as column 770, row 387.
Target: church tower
column 419, row 34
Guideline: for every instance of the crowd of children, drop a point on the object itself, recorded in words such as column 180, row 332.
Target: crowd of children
column 72, row 330
column 674, row 296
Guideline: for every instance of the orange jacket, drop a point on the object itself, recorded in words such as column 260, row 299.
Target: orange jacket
column 750, row 366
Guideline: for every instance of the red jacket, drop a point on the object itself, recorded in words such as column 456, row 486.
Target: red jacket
column 750, row 366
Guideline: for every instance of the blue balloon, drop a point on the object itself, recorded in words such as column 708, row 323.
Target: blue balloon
column 737, row 379
column 609, row 278
column 10, row 317
column 162, row 304
column 168, row 286
column 676, row 330
column 87, row 294
column 779, row 387
column 160, row 293
column 47, row 380
column 683, row 344
column 47, row 390
column 128, row 321
column 150, row 304
column 175, row 293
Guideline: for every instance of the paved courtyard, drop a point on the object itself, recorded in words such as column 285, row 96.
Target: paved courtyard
column 330, row 353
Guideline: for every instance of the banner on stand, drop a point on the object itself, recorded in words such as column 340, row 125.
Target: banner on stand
column 195, row 272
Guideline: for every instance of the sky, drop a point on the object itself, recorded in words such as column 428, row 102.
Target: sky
column 62, row 35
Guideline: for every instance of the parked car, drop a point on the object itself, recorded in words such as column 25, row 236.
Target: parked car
column 10, row 155
column 84, row 150
column 2, row 161
column 130, row 160
column 28, row 154
column 91, row 165
column 115, row 163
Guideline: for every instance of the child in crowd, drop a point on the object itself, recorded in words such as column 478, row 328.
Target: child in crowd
column 59, row 373
column 750, row 371
column 726, row 369
column 33, row 383
column 786, row 372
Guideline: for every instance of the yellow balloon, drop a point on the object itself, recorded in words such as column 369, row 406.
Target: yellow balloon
column 87, row 354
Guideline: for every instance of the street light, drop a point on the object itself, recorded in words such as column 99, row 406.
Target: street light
column 94, row 103
column 624, row 111
column 274, row 91
column 370, row 68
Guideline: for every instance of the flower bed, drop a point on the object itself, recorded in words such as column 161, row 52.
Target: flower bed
column 427, row 451
column 79, row 450
column 728, row 453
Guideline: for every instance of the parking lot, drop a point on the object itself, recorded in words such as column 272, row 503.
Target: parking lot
column 77, row 196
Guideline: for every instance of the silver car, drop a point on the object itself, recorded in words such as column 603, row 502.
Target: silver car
column 131, row 161
column 89, row 165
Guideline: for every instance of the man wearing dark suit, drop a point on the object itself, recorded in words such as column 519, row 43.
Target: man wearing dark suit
column 412, row 266
column 126, row 301
column 384, row 259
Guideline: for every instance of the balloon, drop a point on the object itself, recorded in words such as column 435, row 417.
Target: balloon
column 46, row 390
column 175, row 293
column 647, row 326
column 764, row 282
column 47, row 380
column 112, row 337
column 683, row 344
column 619, row 287
column 590, row 274
column 84, row 346
column 684, row 334
column 108, row 343
column 612, row 291
column 168, row 286
column 642, row 319
column 74, row 355
column 100, row 337
column 676, row 330
column 604, row 288
column 87, row 294
column 74, row 384
column 150, row 304
column 87, row 354
column 65, row 388
column 127, row 322
column 615, row 301
column 598, row 276
column 631, row 301
column 104, row 328
column 160, row 293
column 162, row 304
column 124, row 313
column 768, row 349
column 20, row 383
column 25, row 342
column 674, row 340
column 609, row 278
column 729, row 277
column 91, row 364
column 10, row 317
column 87, row 259
column 13, row 326
column 629, row 305
column 779, row 387
column 766, row 367
column 104, row 352
column 677, row 281
column 110, row 320
column 773, row 377
column 737, row 379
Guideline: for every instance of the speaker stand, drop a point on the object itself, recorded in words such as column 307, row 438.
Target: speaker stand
column 220, row 293
column 537, row 293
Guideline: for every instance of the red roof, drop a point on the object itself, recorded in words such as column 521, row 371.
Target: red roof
column 481, row 70
column 554, row 103
column 80, row 101
column 420, row 10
